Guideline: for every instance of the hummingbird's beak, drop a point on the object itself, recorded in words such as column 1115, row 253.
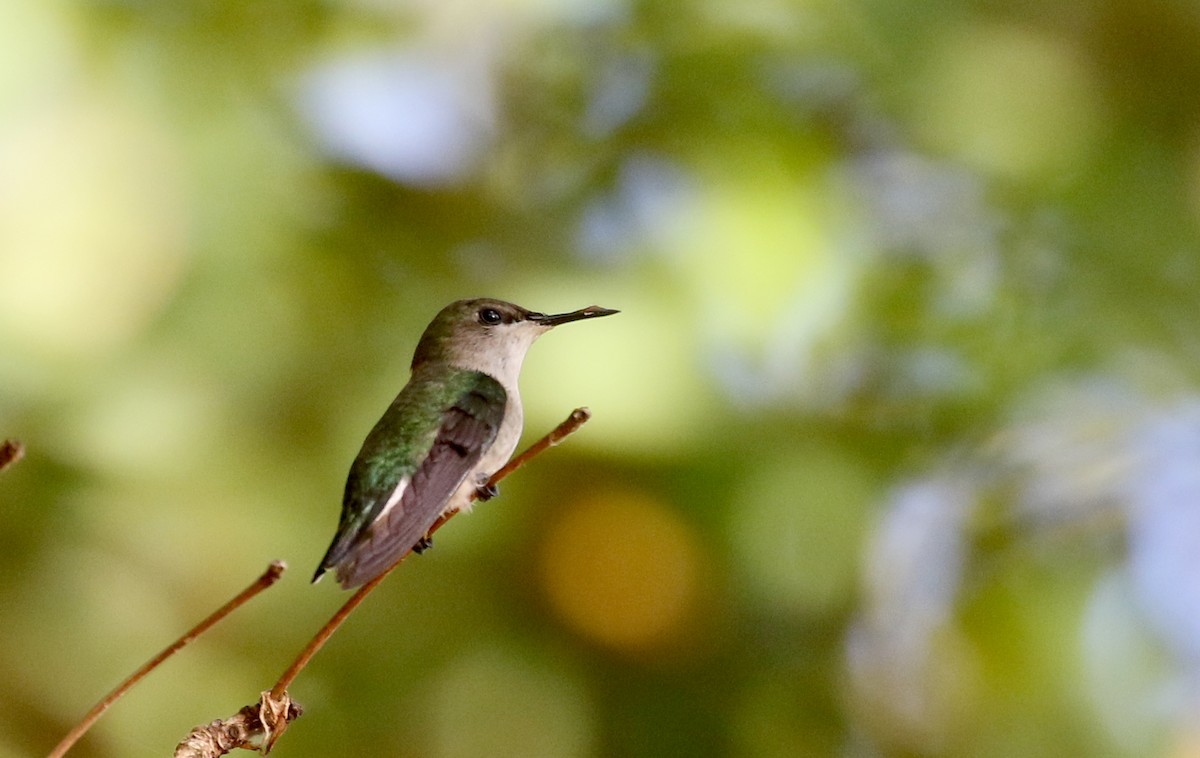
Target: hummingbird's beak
column 592, row 311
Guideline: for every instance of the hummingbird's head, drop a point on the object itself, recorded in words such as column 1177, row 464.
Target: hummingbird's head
column 490, row 335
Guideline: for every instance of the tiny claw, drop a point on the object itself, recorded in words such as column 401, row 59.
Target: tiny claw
column 423, row 544
column 485, row 492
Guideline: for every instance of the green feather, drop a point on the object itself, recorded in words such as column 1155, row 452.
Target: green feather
column 403, row 437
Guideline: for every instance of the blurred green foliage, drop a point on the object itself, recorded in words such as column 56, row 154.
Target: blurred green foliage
column 892, row 441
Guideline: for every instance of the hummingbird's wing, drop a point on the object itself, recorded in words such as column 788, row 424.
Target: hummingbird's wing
column 410, row 466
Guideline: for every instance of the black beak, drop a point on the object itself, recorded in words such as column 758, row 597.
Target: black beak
column 592, row 311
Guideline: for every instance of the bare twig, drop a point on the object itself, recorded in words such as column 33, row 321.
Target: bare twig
column 220, row 737
column 555, row 436
column 11, row 451
column 269, row 577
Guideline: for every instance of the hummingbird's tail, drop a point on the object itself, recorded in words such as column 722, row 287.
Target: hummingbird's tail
column 357, row 559
column 338, row 552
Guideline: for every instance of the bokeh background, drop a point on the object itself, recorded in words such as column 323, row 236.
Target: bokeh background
column 896, row 447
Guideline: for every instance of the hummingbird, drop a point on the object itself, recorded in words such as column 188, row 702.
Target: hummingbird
column 454, row 424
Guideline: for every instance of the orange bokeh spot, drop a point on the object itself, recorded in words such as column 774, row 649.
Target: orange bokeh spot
column 622, row 570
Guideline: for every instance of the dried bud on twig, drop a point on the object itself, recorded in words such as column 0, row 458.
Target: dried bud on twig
column 254, row 727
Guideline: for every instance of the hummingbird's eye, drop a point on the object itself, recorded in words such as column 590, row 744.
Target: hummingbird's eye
column 490, row 316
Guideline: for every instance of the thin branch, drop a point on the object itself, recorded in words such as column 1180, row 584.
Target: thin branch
column 11, row 451
column 269, row 577
column 578, row 417
column 259, row 726
column 326, row 632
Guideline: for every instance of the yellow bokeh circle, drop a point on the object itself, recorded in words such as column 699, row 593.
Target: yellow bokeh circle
column 621, row 569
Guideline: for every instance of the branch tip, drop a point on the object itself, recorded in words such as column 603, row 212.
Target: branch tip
column 274, row 572
column 11, row 451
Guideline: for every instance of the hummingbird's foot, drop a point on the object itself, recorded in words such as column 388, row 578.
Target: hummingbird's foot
column 485, row 492
column 422, row 545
